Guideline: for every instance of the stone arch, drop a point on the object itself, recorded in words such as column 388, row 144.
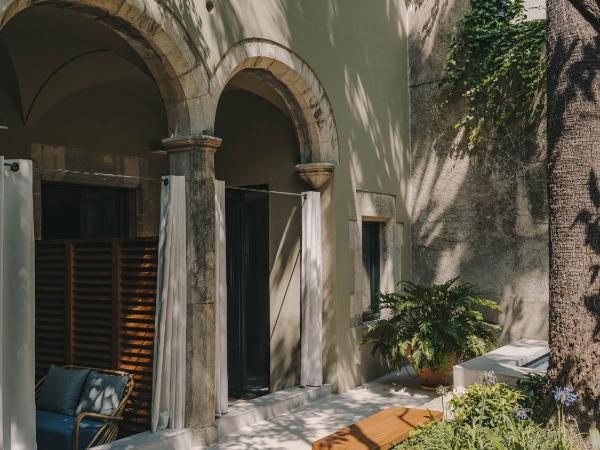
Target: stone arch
column 166, row 49
column 298, row 86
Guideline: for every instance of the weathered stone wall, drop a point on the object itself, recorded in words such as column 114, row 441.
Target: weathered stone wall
column 480, row 215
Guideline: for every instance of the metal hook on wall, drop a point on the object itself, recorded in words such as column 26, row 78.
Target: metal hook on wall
column 13, row 166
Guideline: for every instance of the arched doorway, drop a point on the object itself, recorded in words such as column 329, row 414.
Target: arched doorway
column 76, row 96
column 288, row 82
column 260, row 151
column 79, row 99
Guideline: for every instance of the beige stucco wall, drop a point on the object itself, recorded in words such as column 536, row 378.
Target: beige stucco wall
column 364, row 74
column 356, row 52
column 365, row 77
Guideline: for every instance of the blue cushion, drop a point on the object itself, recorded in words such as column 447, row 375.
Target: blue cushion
column 101, row 393
column 55, row 431
column 61, row 390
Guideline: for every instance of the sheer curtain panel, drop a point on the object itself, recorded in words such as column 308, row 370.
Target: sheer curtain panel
column 168, row 394
column 311, row 362
column 222, row 390
column 17, row 307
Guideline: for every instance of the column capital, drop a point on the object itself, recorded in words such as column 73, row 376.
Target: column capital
column 191, row 142
column 315, row 174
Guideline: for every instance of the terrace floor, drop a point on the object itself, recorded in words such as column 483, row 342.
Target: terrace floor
column 297, row 429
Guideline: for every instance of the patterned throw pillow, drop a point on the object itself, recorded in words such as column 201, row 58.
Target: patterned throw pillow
column 101, row 393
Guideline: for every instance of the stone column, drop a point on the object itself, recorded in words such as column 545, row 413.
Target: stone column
column 193, row 157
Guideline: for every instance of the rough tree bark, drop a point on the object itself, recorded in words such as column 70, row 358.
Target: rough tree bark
column 590, row 9
column 573, row 46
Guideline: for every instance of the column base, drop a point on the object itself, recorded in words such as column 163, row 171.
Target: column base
column 203, row 437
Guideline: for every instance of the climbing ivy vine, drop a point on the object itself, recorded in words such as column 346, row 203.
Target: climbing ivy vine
column 497, row 65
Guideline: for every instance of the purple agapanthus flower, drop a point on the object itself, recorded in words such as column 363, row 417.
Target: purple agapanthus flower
column 522, row 413
column 564, row 396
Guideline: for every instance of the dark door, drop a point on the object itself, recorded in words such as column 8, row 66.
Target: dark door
column 248, row 353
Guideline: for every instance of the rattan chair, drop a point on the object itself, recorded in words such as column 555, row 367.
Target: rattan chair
column 109, row 431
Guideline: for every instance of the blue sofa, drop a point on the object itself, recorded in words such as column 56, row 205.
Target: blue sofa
column 79, row 407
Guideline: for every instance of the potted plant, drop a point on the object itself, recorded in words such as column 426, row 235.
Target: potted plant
column 432, row 327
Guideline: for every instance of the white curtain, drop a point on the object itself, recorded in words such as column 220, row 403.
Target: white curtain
column 222, row 393
column 311, row 363
column 17, row 307
column 168, row 395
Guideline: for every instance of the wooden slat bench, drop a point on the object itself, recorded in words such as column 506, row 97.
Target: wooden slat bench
column 380, row 431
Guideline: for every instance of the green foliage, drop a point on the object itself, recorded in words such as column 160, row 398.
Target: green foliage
column 534, row 390
column 432, row 323
column 485, row 404
column 511, row 435
column 485, row 418
column 497, row 65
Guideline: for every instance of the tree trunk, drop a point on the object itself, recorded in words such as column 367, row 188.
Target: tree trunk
column 573, row 49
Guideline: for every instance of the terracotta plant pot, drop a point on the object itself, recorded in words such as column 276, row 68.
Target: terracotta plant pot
column 430, row 379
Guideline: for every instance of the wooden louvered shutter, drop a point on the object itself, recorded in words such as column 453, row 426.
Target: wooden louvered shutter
column 92, row 300
column 138, row 269
column 51, row 313
column 95, row 307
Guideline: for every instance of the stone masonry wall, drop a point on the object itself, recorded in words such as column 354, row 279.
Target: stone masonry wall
column 478, row 215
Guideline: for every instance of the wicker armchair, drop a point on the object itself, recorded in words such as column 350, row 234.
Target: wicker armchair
column 108, row 432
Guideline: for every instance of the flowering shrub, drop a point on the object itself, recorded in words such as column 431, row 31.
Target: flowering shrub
column 521, row 412
column 564, row 396
column 485, row 404
column 511, row 435
column 492, row 415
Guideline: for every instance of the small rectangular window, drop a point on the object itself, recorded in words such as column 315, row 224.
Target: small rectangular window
column 72, row 211
column 371, row 260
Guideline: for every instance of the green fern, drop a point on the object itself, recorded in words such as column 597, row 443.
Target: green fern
column 432, row 323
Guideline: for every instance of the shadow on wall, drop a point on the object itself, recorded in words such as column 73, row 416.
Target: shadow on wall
column 478, row 213
column 372, row 122
column 187, row 15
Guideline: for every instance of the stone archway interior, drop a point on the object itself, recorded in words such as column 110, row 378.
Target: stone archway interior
column 68, row 80
column 76, row 95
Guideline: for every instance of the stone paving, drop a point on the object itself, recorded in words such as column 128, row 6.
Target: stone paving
column 297, row 429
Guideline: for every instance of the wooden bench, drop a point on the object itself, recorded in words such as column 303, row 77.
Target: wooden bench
column 380, row 431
